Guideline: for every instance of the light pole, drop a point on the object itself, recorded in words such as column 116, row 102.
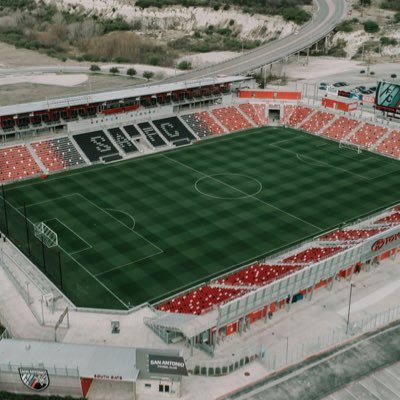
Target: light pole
column 348, row 314
column 287, row 348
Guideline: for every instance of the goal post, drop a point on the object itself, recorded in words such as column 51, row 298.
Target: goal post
column 350, row 146
column 46, row 234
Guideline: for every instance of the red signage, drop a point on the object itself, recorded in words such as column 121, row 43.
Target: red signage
column 384, row 241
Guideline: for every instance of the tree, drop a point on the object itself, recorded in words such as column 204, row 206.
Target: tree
column 362, row 71
column 114, row 70
column 94, row 68
column 148, row 75
column 393, row 76
column 371, row 26
column 131, row 71
column 397, row 17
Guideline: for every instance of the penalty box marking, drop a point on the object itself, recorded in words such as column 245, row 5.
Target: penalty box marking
column 159, row 250
column 88, row 245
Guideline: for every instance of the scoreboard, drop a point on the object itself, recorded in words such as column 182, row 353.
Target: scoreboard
column 388, row 97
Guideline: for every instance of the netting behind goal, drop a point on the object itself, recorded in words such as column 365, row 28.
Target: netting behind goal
column 46, row 234
column 350, row 146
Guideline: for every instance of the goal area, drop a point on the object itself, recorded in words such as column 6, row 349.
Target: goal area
column 350, row 146
column 46, row 234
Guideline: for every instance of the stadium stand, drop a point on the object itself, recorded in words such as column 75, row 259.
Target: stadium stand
column 122, row 141
column 287, row 111
column 299, row 114
column 152, row 136
column 173, row 130
column 313, row 254
column 17, row 163
column 132, row 131
column 95, row 145
column 367, row 135
column 258, row 274
column 340, row 128
column 390, row 145
column 231, row 118
column 317, row 121
column 256, row 112
column 350, row 234
column 392, row 218
column 57, row 154
column 200, row 300
column 203, row 124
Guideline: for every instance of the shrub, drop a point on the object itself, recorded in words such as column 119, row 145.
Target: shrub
column 231, row 22
column 131, row 71
column 397, row 17
column 148, row 74
column 94, row 68
column 386, row 41
column 114, row 70
column 371, row 26
column 184, row 65
column 345, row 26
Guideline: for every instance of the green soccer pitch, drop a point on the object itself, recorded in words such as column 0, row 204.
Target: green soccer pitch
column 143, row 229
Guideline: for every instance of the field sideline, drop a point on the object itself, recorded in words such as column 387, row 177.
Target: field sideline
column 141, row 229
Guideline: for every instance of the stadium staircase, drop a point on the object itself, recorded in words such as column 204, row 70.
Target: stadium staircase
column 342, row 129
column 186, row 125
column 121, row 152
column 38, row 160
column 317, row 121
column 246, row 117
column 390, row 144
column 79, row 150
column 367, row 135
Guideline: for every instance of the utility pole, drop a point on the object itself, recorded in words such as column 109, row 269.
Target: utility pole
column 348, row 314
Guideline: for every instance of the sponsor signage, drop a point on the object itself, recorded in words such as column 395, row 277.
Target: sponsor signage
column 388, row 95
column 368, row 99
column 36, row 379
column 160, row 364
column 385, row 242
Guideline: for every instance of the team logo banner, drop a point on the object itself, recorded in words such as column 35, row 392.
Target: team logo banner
column 167, row 365
column 36, row 379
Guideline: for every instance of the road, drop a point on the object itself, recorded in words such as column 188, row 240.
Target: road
column 329, row 14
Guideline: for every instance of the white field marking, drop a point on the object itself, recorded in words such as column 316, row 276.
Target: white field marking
column 48, row 201
column 82, row 266
column 244, row 193
column 127, row 214
column 129, row 263
column 384, row 384
column 104, row 211
column 327, row 164
column 316, row 164
column 229, row 198
column 397, row 377
column 89, row 246
column 207, row 142
column 351, row 394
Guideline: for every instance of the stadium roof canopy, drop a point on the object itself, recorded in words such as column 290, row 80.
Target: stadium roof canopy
column 100, row 97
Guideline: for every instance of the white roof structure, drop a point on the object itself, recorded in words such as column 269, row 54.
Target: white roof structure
column 134, row 91
column 89, row 360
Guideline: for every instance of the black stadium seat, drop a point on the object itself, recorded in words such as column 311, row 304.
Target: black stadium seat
column 132, row 131
column 173, row 130
column 152, row 136
column 95, row 145
column 126, row 145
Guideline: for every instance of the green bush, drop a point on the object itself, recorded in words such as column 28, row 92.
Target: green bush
column 371, row 26
column 391, row 5
column 396, row 17
column 386, row 41
column 131, row 72
column 94, row 68
column 114, row 70
column 345, row 26
column 148, row 74
column 185, row 65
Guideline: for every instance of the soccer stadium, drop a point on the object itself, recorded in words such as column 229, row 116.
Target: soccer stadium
column 202, row 237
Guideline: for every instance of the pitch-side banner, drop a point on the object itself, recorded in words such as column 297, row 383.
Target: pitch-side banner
column 388, row 95
column 380, row 243
column 167, row 365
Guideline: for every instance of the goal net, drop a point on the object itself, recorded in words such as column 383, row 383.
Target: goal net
column 47, row 235
column 349, row 146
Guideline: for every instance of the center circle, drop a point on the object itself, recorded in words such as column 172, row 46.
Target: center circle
column 228, row 186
